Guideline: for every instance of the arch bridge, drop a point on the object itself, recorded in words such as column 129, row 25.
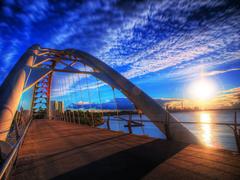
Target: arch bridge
column 42, row 80
column 36, row 68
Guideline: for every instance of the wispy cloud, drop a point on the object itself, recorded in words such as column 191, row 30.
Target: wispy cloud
column 228, row 98
column 141, row 50
column 135, row 38
column 73, row 84
column 213, row 73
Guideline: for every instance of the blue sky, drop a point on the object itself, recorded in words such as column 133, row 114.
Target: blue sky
column 161, row 46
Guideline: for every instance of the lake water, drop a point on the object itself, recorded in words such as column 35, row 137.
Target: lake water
column 220, row 136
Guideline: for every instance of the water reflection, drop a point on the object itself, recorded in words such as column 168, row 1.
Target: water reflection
column 206, row 129
column 210, row 135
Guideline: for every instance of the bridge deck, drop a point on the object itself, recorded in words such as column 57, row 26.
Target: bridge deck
column 55, row 149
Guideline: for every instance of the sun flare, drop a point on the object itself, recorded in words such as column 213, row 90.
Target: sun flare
column 202, row 90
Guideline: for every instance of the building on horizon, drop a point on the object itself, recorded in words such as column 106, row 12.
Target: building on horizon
column 56, row 108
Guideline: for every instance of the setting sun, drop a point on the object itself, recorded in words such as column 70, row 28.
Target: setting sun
column 202, row 89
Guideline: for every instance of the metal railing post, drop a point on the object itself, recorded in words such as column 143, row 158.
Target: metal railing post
column 74, row 119
column 108, row 124
column 93, row 119
column 79, row 117
column 1, row 158
column 236, row 135
column 16, row 129
column 130, row 124
column 68, row 117
column 61, row 116
column 166, row 126
column 65, row 117
column 239, row 139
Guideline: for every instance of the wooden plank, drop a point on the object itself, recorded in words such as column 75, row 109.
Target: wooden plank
column 213, row 155
column 56, row 149
column 210, row 164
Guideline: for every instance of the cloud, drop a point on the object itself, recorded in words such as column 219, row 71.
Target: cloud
column 213, row 73
column 228, row 99
column 71, row 84
column 134, row 38
column 191, row 50
column 34, row 11
column 146, row 50
column 82, row 102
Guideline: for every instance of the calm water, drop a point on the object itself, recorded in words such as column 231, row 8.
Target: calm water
column 211, row 135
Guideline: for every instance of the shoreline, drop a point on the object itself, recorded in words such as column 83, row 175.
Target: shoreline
column 173, row 111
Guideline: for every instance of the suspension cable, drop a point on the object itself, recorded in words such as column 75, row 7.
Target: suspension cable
column 67, row 98
column 81, row 94
column 77, row 113
column 54, row 114
column 89, row 98
column 62, row 94
column 115, row 101
column 59, row 93
column 72, row 98
column 64, row 101
column 141, row 120
column 99, row 96
column 114, row 96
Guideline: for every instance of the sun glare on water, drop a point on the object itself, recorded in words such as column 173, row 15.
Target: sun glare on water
column 206, row 129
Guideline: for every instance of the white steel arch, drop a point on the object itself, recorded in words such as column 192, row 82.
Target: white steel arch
column 31, row 73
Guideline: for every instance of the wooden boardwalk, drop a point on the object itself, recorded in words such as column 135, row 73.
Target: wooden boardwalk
column 59, row 150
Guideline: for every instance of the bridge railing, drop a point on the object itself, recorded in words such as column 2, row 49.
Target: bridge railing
column 15, row 135
column 7, row 166
column 128, row 122
column 131, row 123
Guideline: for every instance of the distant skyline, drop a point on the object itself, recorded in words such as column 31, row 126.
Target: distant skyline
column 162, row 46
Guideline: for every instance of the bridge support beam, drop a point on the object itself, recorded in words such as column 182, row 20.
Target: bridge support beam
column 12, row 88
